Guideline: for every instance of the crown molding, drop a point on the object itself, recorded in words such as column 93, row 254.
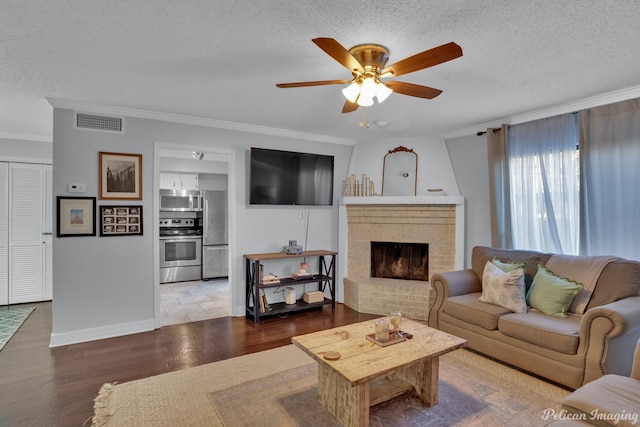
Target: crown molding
column 569, row 107
column 26, row 137
column 191, row 120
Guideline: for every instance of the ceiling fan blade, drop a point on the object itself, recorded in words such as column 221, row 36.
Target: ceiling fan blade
column 349, row 107
column 316, row 83
column 425, row 59
column 413, row 90
column 339, row 53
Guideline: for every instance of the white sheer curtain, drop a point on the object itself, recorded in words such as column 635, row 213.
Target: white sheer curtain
column 610, row 150
column 544, row 184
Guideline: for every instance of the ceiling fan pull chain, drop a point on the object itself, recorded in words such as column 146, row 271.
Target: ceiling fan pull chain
column 365, row 123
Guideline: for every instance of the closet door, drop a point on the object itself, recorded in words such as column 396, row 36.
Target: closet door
column 4, row 233
column 26, row 247
column 47, row 234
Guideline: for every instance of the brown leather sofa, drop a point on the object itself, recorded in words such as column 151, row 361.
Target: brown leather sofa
column 570, row 351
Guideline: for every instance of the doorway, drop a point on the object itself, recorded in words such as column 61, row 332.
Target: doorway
column 191, row 299
column 183, row 302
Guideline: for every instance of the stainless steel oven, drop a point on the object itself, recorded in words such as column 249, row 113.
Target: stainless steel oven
column 180, row 250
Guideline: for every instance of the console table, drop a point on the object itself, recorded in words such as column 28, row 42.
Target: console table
column 325, row 278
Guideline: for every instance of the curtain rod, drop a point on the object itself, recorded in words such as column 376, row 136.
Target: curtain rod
column 496, row 130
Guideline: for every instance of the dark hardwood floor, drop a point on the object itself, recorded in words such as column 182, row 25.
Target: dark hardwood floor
column 42, row 386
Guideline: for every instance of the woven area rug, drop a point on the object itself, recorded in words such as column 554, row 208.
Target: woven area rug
column 278, row 388
column 11, row 319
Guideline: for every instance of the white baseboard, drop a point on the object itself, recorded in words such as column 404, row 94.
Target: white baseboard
column 93, row 334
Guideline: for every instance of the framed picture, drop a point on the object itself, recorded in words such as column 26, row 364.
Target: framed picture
column 120, row 176
column 120, row 220
column 76, row 216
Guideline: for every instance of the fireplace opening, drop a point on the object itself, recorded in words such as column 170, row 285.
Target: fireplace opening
column 394, row 260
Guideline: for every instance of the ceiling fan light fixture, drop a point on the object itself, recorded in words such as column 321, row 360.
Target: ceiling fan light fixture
column 364, row 101
column 368, row 66
column 351, row 92
column 369, row 87
column 383, row 92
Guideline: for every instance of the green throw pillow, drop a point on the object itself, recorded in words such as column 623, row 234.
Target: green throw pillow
column 551, row 294
column 508, row 266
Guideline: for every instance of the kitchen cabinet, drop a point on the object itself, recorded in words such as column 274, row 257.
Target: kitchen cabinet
column 178, row 181
column 256, row 304
column 25, row 233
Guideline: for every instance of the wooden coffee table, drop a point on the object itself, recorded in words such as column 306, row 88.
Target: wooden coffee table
column 367, row 374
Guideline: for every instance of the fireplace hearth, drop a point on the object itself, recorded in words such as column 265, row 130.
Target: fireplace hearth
column 400, row 260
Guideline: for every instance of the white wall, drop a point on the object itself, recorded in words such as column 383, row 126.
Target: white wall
column 105, row 286
column 213, row 181
column 434, row 165
column 18, row 150
column 470, row 164
column 169, row 164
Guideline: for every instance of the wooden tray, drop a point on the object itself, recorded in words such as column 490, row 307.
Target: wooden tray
column 393, row 339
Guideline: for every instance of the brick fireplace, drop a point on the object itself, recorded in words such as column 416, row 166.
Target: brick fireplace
column 435, row 222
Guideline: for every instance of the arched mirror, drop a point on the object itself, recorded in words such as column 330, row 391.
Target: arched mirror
column 400, row 172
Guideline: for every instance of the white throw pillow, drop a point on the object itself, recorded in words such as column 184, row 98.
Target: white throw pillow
column 504, row 289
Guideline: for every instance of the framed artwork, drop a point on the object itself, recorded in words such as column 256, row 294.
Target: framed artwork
column 120, row 221
column 120, row 176
column 76, row 216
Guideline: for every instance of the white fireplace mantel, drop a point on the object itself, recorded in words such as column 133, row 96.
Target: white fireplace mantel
column 343, row 248
column 404, row 200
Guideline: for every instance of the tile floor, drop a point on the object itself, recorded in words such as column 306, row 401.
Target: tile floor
column 183, row 302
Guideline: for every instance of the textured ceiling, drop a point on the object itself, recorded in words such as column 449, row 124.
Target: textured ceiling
column 221, row 59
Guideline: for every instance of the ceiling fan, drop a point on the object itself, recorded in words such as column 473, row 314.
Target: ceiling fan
column 367, row 65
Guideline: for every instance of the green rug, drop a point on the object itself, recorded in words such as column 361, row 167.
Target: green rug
column 10, row 321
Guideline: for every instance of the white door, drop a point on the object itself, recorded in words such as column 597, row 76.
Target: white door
column 47, row 234
column 26, row 245
column 4, row 233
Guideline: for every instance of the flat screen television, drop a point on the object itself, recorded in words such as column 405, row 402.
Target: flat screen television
column 290, row 178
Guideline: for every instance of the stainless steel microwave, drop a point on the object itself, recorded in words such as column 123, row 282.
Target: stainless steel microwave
column 180, row 200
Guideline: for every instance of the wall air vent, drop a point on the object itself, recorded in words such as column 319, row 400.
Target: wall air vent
column 98, row 123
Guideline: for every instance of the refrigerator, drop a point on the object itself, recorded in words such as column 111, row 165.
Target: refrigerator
column 215, row 234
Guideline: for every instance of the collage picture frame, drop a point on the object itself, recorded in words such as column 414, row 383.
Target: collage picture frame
column 121, row 220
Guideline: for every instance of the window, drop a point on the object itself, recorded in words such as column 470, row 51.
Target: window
column 544, row 181
column 559, row 190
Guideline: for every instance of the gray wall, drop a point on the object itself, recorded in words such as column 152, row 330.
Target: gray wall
column 471, row 167
column 18, row 150
column 105, row 286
